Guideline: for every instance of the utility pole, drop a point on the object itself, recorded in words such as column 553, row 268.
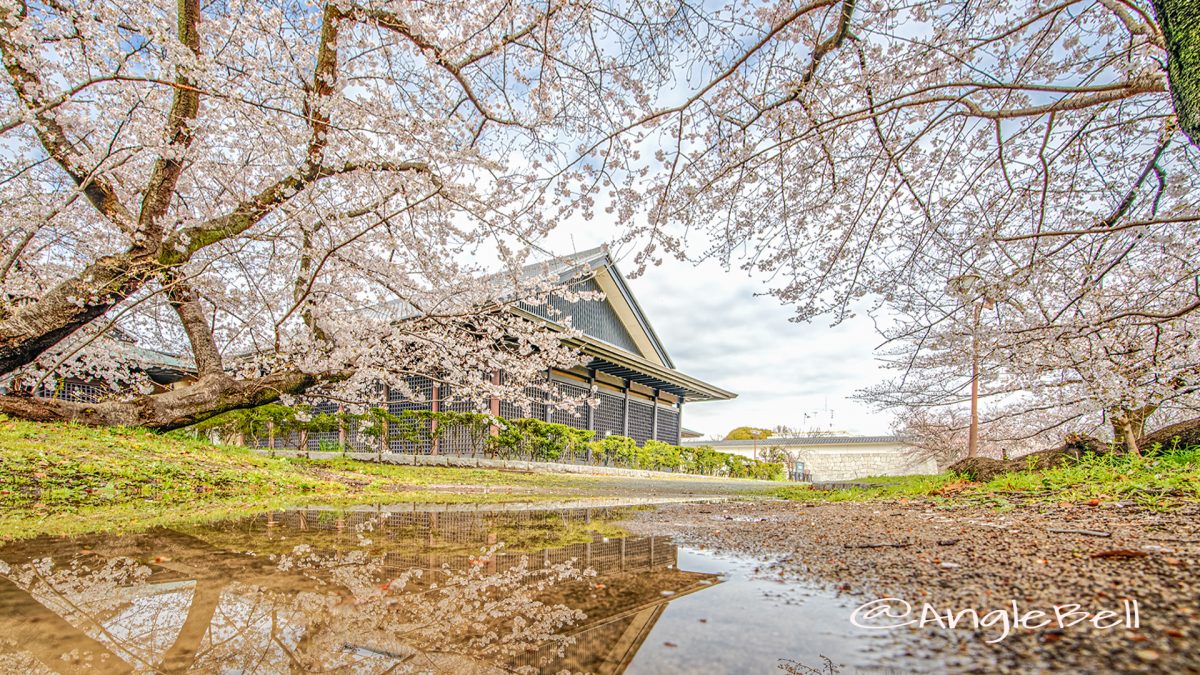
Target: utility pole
column 973, row 435
column 965, row 287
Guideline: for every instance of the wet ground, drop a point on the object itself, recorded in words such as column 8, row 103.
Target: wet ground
column 610, row 587
column 412, row 588
column 1125, row 580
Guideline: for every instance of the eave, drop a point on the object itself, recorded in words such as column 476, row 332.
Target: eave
column 691, row 388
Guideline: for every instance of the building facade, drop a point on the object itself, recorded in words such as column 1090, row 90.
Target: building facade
column 833, row 458
column 640, row 393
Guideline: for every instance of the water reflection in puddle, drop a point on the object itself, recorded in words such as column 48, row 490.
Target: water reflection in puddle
column 753, row 623
column 404, row 589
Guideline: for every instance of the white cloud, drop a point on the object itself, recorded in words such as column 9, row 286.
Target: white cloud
column 717, row 329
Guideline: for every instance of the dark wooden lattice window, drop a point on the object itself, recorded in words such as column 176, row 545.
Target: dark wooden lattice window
column 668, row 425
column 640, row 421
column 575, row 416
column 327, row 438
column 534, row 406
column 610, row 415
column 457, row 441
column 399, row 401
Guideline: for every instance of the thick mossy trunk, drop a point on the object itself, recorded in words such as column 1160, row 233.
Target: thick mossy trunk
column 1179, row 21
column 1073, row 448
column 173, row 409
column 1184, row 434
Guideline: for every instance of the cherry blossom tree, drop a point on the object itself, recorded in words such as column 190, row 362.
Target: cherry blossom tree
column 878, row 150
column 300, row 197
column 310, row 188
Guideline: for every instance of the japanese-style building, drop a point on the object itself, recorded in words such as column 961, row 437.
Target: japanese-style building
column 640, row 392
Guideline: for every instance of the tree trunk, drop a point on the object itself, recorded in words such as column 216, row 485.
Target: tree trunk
column 33, row 328
column 1129, row 425
column 1182, row 434
column 181, row 407
column 1129, row 438
column 1179, row 21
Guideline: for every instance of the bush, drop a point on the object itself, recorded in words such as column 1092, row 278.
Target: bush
column 662, row 456
column 523, row 438
column 537, row 440
column 703, row 460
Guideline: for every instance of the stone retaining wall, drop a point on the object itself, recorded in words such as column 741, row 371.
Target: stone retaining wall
column 848, row 463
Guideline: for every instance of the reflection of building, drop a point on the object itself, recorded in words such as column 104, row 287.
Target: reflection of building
column 353, row 590
column 832, row 458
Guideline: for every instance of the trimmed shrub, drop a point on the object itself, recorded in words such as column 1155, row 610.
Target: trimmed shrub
column 537, row 440
column 523, row 438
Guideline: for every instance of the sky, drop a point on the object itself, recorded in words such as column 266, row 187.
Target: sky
column 716, row 328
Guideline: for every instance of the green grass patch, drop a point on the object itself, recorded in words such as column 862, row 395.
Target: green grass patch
column 1160, row 479
column 64, row 479
column 883, row 487
column 73, row 465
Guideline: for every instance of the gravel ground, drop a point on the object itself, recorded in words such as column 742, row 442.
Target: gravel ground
column 977, row 558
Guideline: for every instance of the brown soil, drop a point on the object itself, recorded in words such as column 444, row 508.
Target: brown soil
column 972, row 557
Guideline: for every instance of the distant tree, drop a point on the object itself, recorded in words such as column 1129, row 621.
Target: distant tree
column 778, row 455
column 940, row 434
column 748, row 434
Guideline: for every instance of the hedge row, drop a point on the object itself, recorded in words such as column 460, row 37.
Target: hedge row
column 523, row 438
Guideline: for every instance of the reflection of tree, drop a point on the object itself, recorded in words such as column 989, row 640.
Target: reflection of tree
column 452, row 616
column 361, row 621
column 354, row 602
column 71, row 604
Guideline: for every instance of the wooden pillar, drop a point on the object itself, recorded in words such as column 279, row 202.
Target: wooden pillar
column 625, row 414
column 494, row 404
column 341, row 427
column 679, row 416
column 654, row 417
column 433, row 407
column 591, row 412
column 383, row 424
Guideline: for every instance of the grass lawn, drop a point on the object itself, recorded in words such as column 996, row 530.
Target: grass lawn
column 65, row 479
column 1158, row 480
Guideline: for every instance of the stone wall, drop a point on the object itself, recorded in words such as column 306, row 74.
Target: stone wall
column 848, row 463
column 835, row 459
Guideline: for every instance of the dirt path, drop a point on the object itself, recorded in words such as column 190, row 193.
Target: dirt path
column 972, row 558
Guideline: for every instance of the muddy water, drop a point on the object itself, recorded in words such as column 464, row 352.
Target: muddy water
column 409, row 589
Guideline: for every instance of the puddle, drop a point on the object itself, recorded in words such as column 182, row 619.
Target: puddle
column 409, row 589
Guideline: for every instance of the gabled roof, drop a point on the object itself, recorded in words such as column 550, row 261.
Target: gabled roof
column 643, row 358
column 597, row 263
